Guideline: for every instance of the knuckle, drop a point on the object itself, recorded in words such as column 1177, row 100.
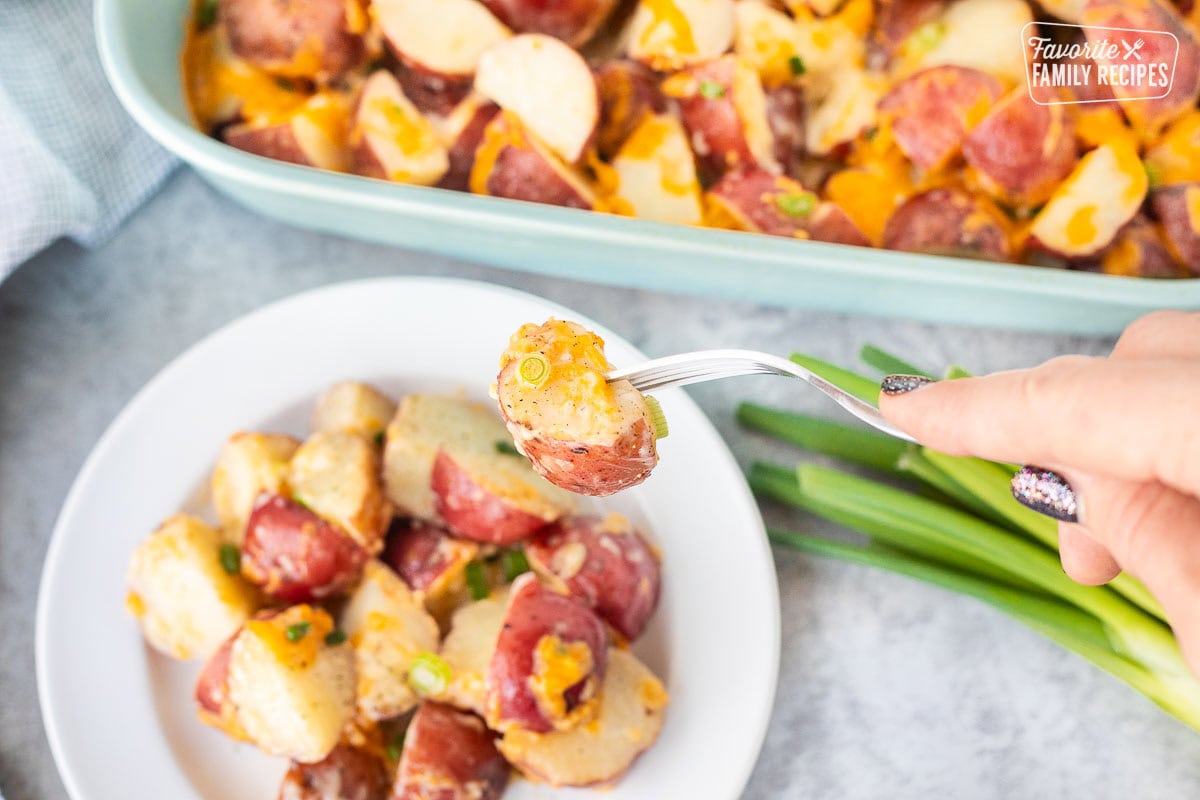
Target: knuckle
column 1129, row 521
column 1147, row 329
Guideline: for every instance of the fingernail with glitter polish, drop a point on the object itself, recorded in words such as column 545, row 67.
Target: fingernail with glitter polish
column 1045, row 492
column 902, row 384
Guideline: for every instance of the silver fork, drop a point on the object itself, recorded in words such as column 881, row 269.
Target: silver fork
column 711, row 365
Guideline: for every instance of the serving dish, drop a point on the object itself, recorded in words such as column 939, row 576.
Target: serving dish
column 139, row 45
column 718, row 658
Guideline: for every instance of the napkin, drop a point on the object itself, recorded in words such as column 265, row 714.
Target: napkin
column 72, row 162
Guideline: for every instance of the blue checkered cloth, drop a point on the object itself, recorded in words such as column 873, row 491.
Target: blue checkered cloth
column 72, row 162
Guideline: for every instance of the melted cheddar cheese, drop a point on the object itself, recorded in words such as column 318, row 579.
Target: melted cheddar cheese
column 301, row 653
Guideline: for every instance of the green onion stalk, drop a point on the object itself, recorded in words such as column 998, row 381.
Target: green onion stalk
column 951, row 521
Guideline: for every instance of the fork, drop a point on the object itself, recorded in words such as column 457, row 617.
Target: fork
column 711, row 365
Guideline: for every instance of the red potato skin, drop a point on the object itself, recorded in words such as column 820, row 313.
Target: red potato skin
column 285, row 36
column 1021, row 149
column 462, row 149
column 522, row 172
column 1138, row 250
column 930, row 111
column 473, row 513
column 1152, row 15
column 347, row 773
column 785, row 116
column 431, row 92
column 829, row 223
column 294, row 555
column 573, row 21
column 415, row 552
column 749, row 196
column 948, row 222
column 534, row 611
column 212, row 691
column 620, row 575
column 273, row 141
column 716, row 130
column 895, row 21
column 449, row 755
column 1171, row 206
column 628, row 92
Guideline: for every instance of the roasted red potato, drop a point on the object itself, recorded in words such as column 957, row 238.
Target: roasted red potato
column 830, row 223
column 987, row 35
column 463, row 130
column 931, row 112
column 182, row 592
column 391, row 140
column 785, row 117
column 280, row 684
column 605, row 563
column 1174, row 157
column 573, row 21
column 318, row 40
column 724, row 108
column 1087, row 209
column 629, row 93
column 655, row 173
column 1132, row 20
column 548, row 86
column 668, row 34
column 581, row 432
column 438, row 38
column 549, row 662
column 897, row 20
column 760, row 201
column 511, row 163
column 949, row 222
column 468, row 648
column 479, row 483
column 1021, row 150
column 336, row 475
column 313, row 135
column 295, row 555
column 1139, row 251
column 1178, row 209
column 354, row 407
column 249, row 465
column 845, row 112
column 632, row 707
column 449, row 755
column 347, row 773
column 427, row 557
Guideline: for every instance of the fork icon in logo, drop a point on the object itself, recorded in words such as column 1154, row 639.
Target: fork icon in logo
column 1132, row 50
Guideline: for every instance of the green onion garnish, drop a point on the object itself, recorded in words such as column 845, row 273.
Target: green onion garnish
column 335, row 637
column 657, row 418
column 928, row 36
column 712, row 90
column 395, row 747
column 285, row 84
column 428, row 674
column 380, row 436
column 796, row 204
column 477, row 581
column 515, row 564
column 231, row 559
column 206, row 14
column 533, row 369
column 507, row 448
column 796, row 65
column 870, row 133
column 295, row 633
column 1153, row 174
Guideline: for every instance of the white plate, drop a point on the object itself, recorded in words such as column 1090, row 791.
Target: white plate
column 120, row 718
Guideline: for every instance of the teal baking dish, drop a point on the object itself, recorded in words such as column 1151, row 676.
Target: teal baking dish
column 139, row 43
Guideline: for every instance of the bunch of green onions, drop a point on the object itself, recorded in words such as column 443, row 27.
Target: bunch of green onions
column 952, row 522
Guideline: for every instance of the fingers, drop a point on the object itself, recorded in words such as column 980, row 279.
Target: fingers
column 1132, row 418
column 1084, row 559
column 1161, row 334
column 1153, row 532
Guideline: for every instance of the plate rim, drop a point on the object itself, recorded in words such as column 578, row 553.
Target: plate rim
column 130, row 411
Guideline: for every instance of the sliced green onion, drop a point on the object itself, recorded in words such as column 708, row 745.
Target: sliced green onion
column 533, row 369
column 954, row 372
column 887, row 363
column 428, row 674
column 1153, row 174
column 711, row 90
column 380, row 437
column 295, row 633
column 395, row 747
column 848, row 442
column 796, row 65
column 515, row 564
column 796, row 204
column 231, row 558
column 858, row 385
column 477, row 581
column 657, row 418
column 870, row 133
column 507, row 448
column 206, row 14
column 335, row 637
column 928, row 36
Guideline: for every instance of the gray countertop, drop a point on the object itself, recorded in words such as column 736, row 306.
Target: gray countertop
column 887, row 688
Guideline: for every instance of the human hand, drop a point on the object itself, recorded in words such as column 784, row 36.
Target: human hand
column 1117, row 441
